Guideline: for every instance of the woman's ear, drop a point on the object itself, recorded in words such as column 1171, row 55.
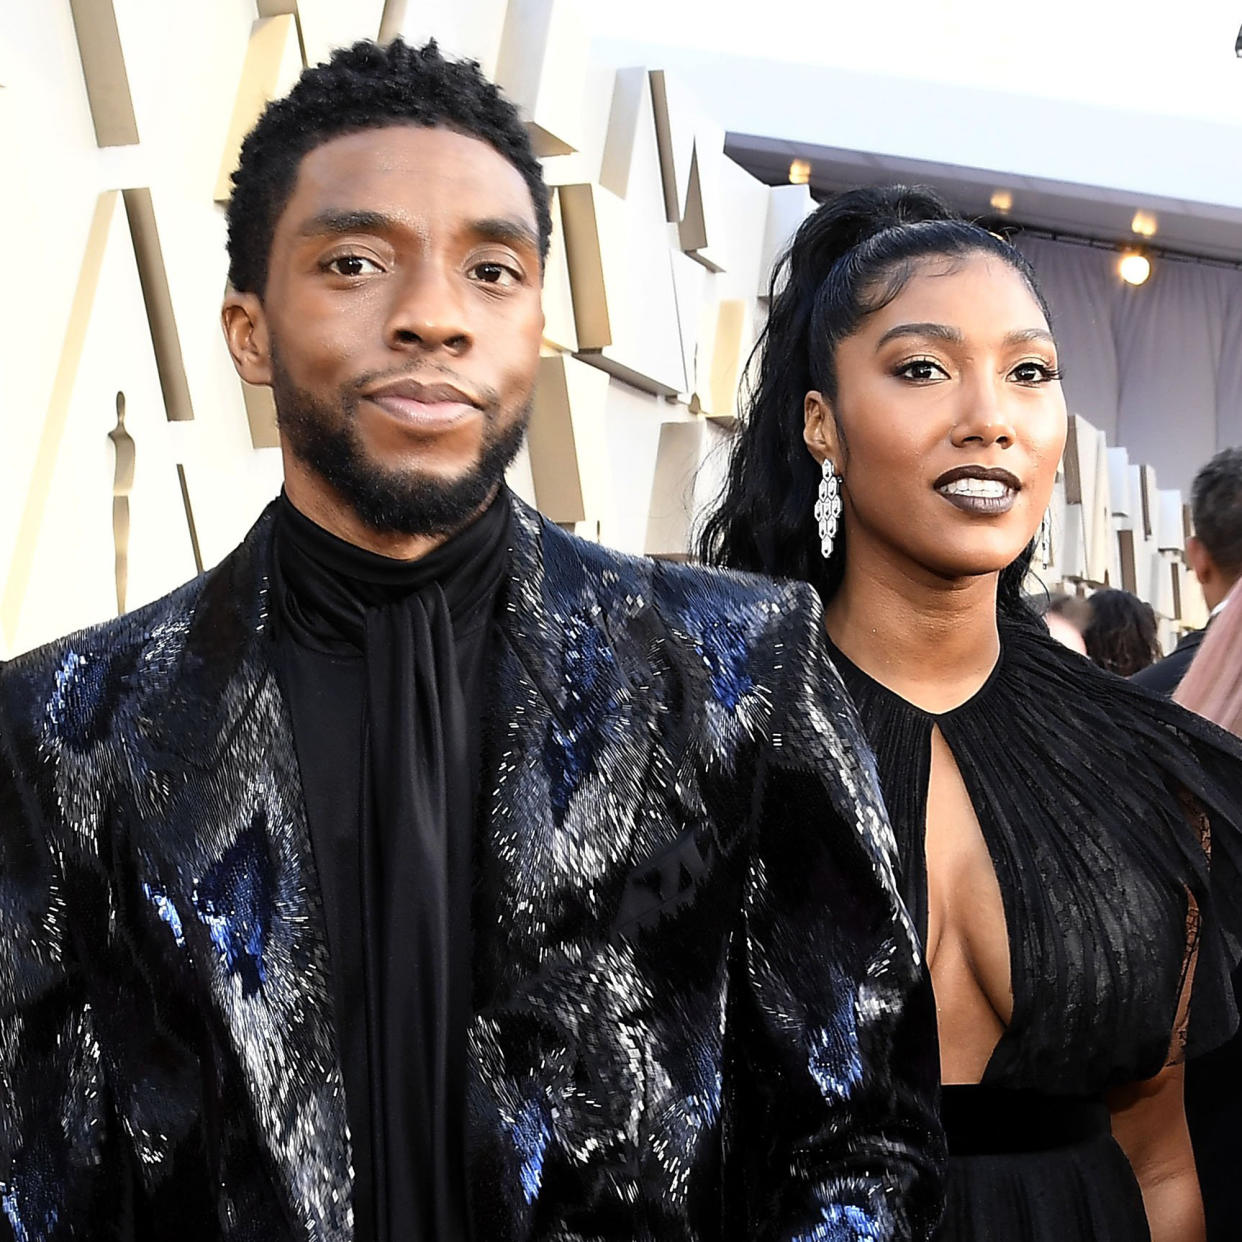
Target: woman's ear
column 247, row 336
column 819, row 429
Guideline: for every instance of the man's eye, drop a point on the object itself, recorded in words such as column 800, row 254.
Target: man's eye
column 492, row 273
column 351, row 265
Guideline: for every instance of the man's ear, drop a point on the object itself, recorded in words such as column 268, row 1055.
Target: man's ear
column 247, row 336
column 1199, row 559
column 819, row 430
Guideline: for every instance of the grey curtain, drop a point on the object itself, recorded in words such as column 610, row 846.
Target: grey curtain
column 1157, row 367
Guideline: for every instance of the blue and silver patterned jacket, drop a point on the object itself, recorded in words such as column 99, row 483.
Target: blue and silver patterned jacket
column 699, row 1009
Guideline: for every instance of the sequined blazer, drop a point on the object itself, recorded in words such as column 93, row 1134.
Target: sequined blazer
column 699, row 1010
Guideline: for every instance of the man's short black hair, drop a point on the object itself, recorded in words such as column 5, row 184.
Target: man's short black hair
column 366, row 86
column 1216, row 509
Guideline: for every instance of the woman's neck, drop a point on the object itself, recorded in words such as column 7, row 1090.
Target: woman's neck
column 932, row 641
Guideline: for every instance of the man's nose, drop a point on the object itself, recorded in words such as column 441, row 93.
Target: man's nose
column 429, row 311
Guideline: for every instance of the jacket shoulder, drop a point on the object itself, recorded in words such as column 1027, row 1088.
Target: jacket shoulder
column 1166, row 674
column 734, row 589
column 669, row 581
column 94, row 655
column 1192, row 640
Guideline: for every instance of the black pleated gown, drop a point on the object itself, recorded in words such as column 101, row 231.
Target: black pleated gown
column 1100, row 806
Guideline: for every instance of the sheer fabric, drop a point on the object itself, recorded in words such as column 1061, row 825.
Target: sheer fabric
column 1111, row 818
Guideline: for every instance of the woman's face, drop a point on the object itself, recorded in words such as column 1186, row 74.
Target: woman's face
column 952, row 421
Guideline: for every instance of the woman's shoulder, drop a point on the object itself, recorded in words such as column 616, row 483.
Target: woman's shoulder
column 1067, row 683
column 1037, row 656
column 1113, row 716
column 1152, row 781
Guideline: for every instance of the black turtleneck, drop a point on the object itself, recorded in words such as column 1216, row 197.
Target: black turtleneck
column 383, row 664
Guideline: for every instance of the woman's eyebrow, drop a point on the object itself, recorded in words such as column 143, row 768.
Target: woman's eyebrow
column 946, row 332
column 1022, row 336
column 939, row 331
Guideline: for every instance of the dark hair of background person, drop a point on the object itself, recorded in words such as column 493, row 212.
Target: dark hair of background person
column 1216, row 509
column 849, row 259
column 1121, row 636
column 366, row 86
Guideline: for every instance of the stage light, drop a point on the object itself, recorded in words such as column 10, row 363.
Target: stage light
column 1001, row 201
column 1144, row 224
column 799, row 172
column 1134, row 268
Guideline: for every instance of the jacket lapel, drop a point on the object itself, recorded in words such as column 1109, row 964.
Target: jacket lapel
column 232, row 860
column 570, row 747
column 585, row 800
column 527, row 615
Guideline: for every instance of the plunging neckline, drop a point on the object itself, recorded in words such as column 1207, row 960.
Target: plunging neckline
column 938, row 721
column 1079, row 781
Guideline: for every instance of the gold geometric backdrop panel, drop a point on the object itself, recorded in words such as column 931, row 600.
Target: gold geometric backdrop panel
column 140, row 457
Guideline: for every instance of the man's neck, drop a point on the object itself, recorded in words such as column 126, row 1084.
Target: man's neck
column 322, row 505
column 1217, row 599
column 930, row 640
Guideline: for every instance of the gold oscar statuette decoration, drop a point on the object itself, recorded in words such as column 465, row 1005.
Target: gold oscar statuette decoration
column 122, row 485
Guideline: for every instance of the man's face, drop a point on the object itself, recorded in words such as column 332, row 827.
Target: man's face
column 400, row 326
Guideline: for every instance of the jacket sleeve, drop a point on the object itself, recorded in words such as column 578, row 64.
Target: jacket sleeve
column 56, row 1173
column 833, row 1134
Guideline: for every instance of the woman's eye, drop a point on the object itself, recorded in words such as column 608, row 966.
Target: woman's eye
column 1035, row 373
column 493, row 273
column 351, row 265
column 921, row 370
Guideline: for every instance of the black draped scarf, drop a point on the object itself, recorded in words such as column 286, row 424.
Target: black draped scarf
column 383, row 664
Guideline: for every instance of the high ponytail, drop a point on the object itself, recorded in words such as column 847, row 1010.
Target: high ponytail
column 848, row 259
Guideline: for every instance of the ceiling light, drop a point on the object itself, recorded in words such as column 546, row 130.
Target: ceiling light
column 1134, row 268
column 799, row 172
column 1144, row 224
column 1001, row 201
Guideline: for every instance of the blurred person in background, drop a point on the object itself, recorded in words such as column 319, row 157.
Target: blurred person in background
column 1120, row 635
column 1066, row 617
column 1212, row 687
column 1213, row 552
column 898, row 451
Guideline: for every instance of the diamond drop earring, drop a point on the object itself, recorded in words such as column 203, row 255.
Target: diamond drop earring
column 1043, row 540
column 828, row 507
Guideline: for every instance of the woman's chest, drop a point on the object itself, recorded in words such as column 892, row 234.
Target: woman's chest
column 1047, row 938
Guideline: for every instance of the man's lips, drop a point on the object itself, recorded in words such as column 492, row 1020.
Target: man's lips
column 424, row 407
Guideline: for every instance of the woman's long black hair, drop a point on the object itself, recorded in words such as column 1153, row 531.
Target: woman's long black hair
column 848, row 259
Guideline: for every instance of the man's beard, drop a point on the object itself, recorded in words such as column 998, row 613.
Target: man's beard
column 324, row 437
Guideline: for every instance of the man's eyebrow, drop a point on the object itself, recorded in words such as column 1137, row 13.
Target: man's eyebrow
column 505, row 230
column 939, row 331
column 333, row 221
